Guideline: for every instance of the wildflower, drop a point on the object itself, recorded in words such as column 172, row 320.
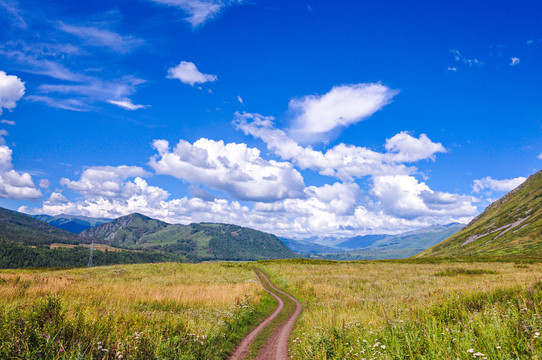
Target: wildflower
column 42, row 335
column 470, row 351
column 478, row 354
column 536, row 334
column 498, row 347
column 61, row 350
column 383, row 346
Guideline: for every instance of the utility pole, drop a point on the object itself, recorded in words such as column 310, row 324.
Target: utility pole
column 91, row 253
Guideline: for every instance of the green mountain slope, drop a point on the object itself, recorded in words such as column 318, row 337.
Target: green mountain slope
column 196, row 242
column 511, row 226
column 25, row 229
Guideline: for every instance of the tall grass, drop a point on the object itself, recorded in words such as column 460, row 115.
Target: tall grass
column 411, row 311
column 168, row 311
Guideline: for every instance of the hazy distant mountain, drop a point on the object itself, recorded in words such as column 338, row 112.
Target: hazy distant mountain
column 74, row 224
column 511, row 226
column 205, row 241
column 378, row 246
column 362, row 241
column 308, row 247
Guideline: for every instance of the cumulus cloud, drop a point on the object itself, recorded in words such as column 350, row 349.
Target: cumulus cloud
column 106, row 181
column 407, row 148
column 504, row 185
column 318, row 115
column 188, row 73
column 11, row 90
column 7, row 122
column 13, row 184
column 127, row 104
column 234, row 168
column 44, row 183
column 345, row 162
column 102, row 37
column 514, row 61
column 199, row 11
column 404, row 196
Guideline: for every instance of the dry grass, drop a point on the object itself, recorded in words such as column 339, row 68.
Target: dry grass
column 202, row 300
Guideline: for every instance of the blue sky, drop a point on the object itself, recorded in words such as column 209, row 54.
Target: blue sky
column 302, row 118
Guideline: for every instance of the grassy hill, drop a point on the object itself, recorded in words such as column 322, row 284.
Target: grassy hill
column 73, row 224
column 197, row 242
column 25, row 229
column 511, row 226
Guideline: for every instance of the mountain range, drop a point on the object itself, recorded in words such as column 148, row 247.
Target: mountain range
column 71, row 223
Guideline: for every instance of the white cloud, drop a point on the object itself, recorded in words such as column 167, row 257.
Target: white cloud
column 15, row 185
column 11, row 90
column 514, row 61
column 14, row 14
column 404, row 196
column 188, row 73
column 36, row 59
column 450, row 68
column 407, row 148
column 470, row 62
column 115, row 92
column 7, row 122
column 539, row 157
column 44, row 183
column 81, row 91
column 318, row 115
column 127, row 104
column 345, row 162
column 66, row 104
column 240, row 99
column 102, row 37
column 105, row 181
column 234, row 168
column 504, row 185
column 199, row 11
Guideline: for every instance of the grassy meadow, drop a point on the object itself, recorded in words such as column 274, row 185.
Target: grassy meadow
column 168, row 311
column 398, row 310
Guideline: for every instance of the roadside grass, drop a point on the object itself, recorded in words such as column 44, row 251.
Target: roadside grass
column 168, row 311
column 397, row 310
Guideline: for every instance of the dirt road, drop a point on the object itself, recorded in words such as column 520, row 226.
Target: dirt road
column 276, row 346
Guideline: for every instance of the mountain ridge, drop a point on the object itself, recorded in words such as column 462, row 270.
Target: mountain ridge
column 510, row 226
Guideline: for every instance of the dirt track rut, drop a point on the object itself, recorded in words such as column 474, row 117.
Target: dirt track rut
column 276, row 346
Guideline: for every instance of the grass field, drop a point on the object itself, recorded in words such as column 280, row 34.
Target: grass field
column 352, row 310
column 394, row 310
column 168, row 311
